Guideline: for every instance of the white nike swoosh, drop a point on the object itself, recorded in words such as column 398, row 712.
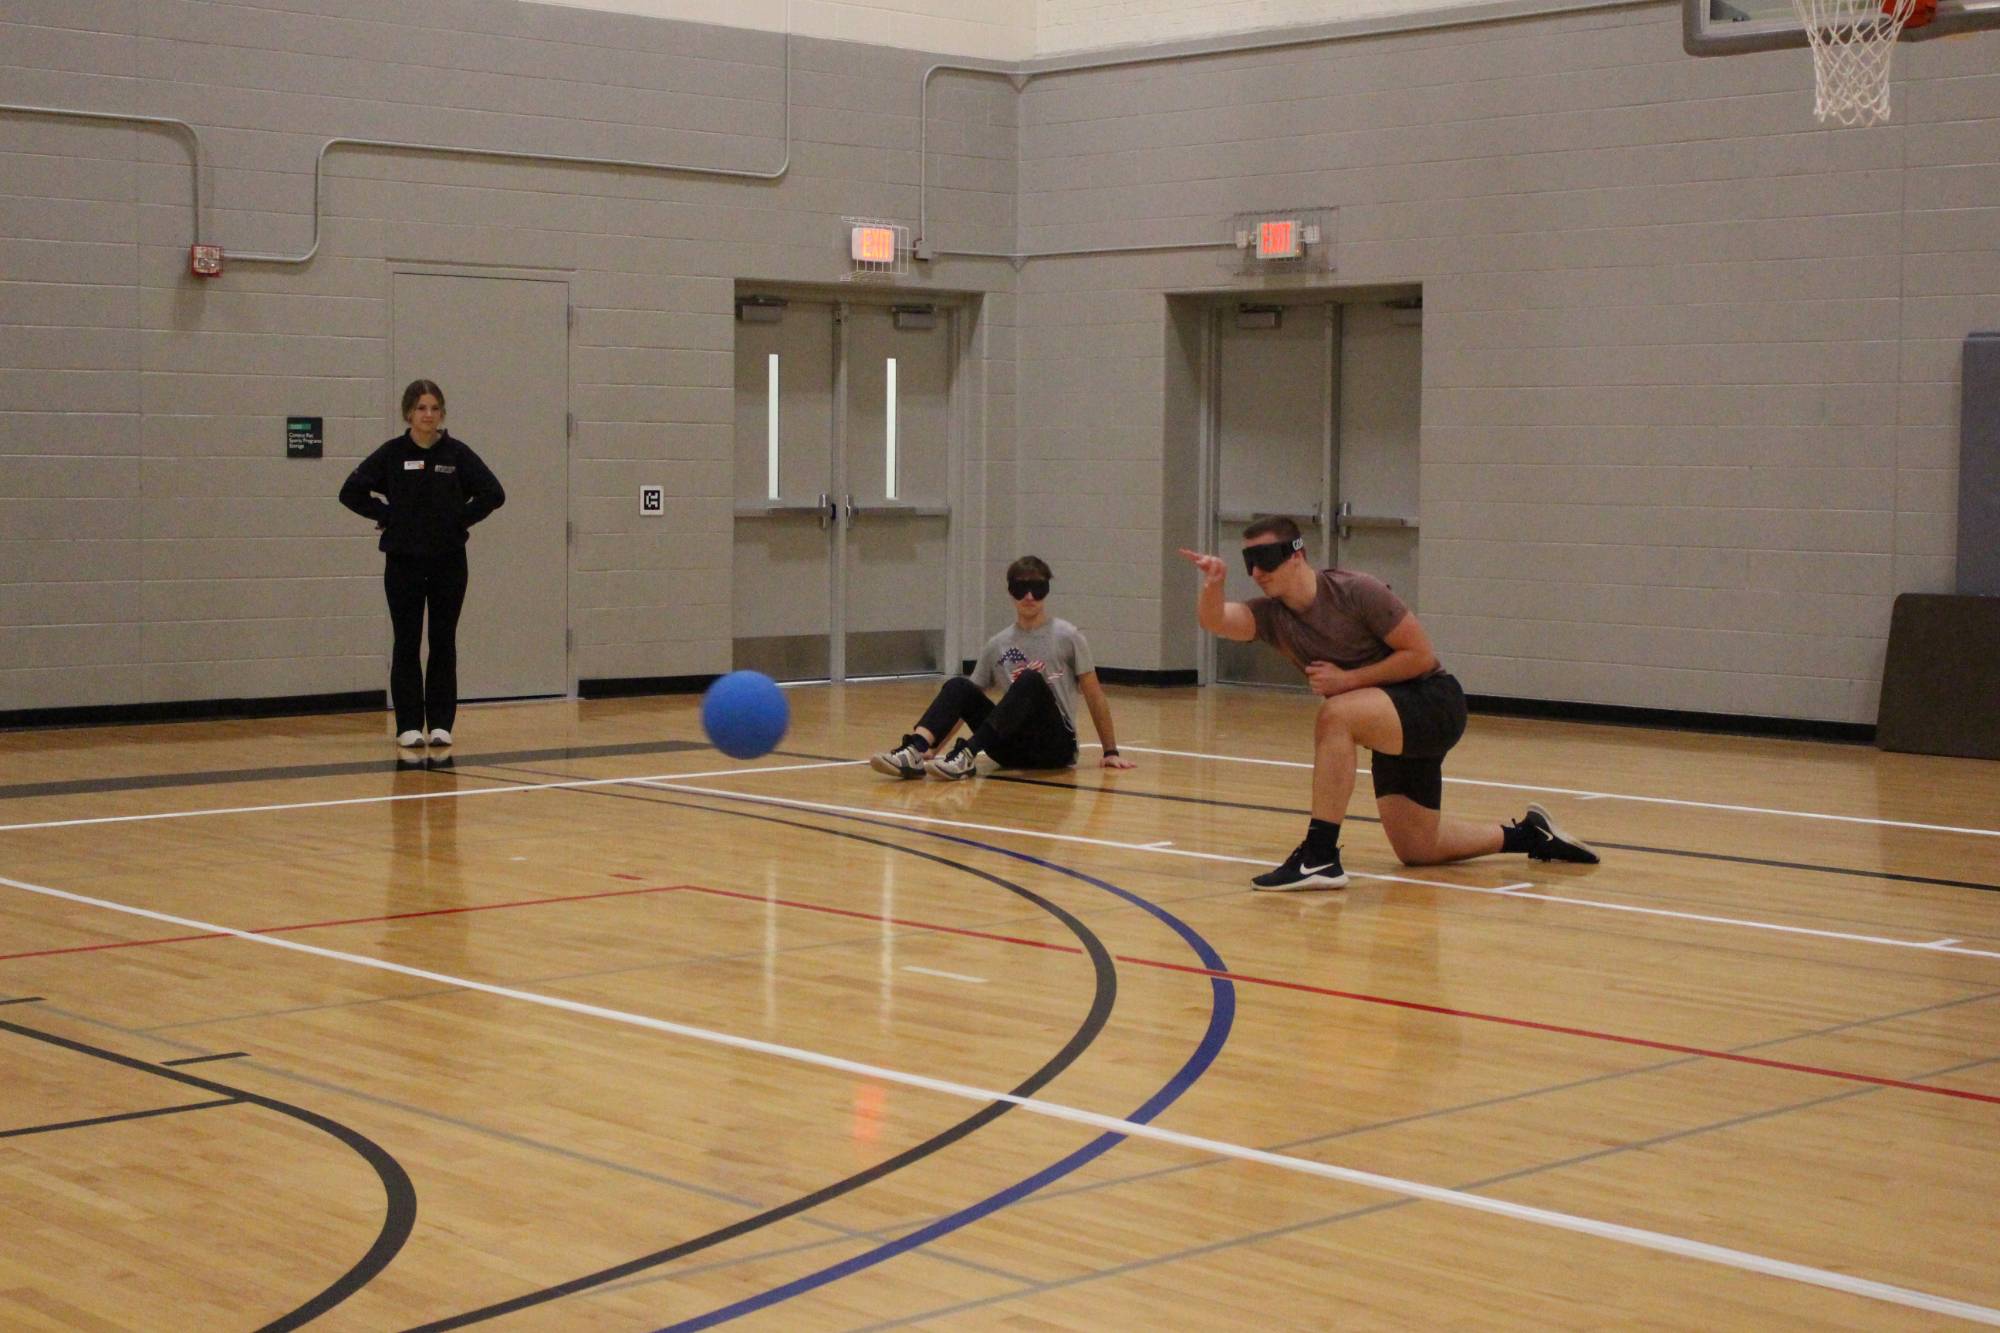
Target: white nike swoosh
column 1314, row 870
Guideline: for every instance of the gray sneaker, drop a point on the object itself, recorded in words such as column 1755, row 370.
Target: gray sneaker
column 907, row 762
column 960, row 763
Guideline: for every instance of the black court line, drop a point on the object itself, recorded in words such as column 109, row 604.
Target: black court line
column 1103, row 998
column 204, row 1059
column 25, row 999
column 399, row 1196
column 114, row 1119
column 391, row 764
column 1616, row 846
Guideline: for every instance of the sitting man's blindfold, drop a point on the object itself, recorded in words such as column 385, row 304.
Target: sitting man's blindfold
column 1267, row 556
column 1019, row 588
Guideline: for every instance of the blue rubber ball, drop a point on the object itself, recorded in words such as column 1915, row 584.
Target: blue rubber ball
column 745, row 714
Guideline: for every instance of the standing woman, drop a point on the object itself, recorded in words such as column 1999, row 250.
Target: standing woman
column 424, row 490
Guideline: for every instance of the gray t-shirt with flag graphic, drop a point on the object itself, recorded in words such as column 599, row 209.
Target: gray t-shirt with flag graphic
column 1055, row 648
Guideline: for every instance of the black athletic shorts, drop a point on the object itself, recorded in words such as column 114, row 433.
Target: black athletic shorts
column 1432, row 711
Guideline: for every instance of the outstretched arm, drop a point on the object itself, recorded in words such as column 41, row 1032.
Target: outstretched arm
column 1230, row 620
column 1100, row 717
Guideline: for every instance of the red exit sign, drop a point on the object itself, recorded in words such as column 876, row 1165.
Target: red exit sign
column 872, row 245
column 1279, row 239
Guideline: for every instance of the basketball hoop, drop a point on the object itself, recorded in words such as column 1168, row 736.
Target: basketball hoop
column 1852, row 41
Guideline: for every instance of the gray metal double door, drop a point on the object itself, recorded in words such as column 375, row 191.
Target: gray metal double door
column 1313, row 413
column 841, row 551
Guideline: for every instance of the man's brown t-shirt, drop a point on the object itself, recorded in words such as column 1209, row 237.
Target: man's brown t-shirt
column 1347, row 624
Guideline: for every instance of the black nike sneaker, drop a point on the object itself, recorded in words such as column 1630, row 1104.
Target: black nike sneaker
column 1302, row 872
column 1551, row 843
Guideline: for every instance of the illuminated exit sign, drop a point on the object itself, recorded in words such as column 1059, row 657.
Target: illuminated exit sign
column 1283, row 240
column 872, row 245
column 1280, row 239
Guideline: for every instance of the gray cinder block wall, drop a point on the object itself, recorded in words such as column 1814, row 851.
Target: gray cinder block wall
column 155, row 545
column 1689, row 415
column 1689, row 359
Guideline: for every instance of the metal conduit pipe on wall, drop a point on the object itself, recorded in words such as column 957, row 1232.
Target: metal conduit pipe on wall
column 393, row 145
column 1498, row 11
column 119, row 117
column 1018, row 75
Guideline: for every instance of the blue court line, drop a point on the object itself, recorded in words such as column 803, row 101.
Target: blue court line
column 1222, row 1016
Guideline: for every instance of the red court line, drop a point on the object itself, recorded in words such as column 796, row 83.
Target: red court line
column 1244, row 978
column 874, row 916
column 348, row 921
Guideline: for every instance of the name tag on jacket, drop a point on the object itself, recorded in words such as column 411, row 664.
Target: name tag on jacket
column 413, row 465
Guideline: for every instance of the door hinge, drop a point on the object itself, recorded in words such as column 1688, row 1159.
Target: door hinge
column 569, row 425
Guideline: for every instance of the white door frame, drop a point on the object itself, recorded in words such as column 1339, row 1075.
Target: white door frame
column 841, row 516
column 1215, row 537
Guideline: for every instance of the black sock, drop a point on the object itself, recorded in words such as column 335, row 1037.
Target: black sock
column 913, row 741
column 981, row 740
column 1517, row 837
column 1323, row 838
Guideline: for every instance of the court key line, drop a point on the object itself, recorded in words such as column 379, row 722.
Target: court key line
column 1658, row 1241
column 666, row 782
column 996, row 937
column 1605, row 795
column 1363, row 997
column 346, row 921
column 454, row 794
column 1510, row 891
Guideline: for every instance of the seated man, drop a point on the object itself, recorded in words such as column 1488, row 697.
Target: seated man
column 1045, row 664
column 1381, row 685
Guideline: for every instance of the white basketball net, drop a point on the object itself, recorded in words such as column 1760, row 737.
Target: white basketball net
column 1852, row 41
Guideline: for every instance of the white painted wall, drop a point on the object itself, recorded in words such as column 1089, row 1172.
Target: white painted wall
column 979, row 29
column 1010, row 29
column 1064, row 26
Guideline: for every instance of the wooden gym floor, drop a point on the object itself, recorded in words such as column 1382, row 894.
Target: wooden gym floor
column 595, row 1029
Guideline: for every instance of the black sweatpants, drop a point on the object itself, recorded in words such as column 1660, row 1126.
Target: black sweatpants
column 1026, row 729
column 425, row 699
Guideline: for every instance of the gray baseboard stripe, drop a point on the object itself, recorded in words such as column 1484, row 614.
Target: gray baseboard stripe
column 626, row 687
column 194, row 710
column 1671, row 719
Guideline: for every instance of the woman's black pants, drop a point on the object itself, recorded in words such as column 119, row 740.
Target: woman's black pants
column 425, row 699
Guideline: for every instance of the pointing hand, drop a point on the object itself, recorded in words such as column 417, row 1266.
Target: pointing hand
column 1213, row 571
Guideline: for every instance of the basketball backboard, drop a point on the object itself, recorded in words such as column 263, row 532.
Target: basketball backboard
column 1736, row 27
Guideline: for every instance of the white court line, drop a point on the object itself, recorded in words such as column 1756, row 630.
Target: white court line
column 948, row 976
column 1660, row 1241
column 1514, row 891
column 665, row 782
column 1606, row 795
column 454, row 794
column 900, row 817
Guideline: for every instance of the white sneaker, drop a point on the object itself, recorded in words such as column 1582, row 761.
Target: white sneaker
column 439, row 736
column 410, row 738
column 905, row 762
column 962, row 762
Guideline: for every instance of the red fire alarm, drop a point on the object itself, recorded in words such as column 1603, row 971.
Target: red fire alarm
column 205, row 261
